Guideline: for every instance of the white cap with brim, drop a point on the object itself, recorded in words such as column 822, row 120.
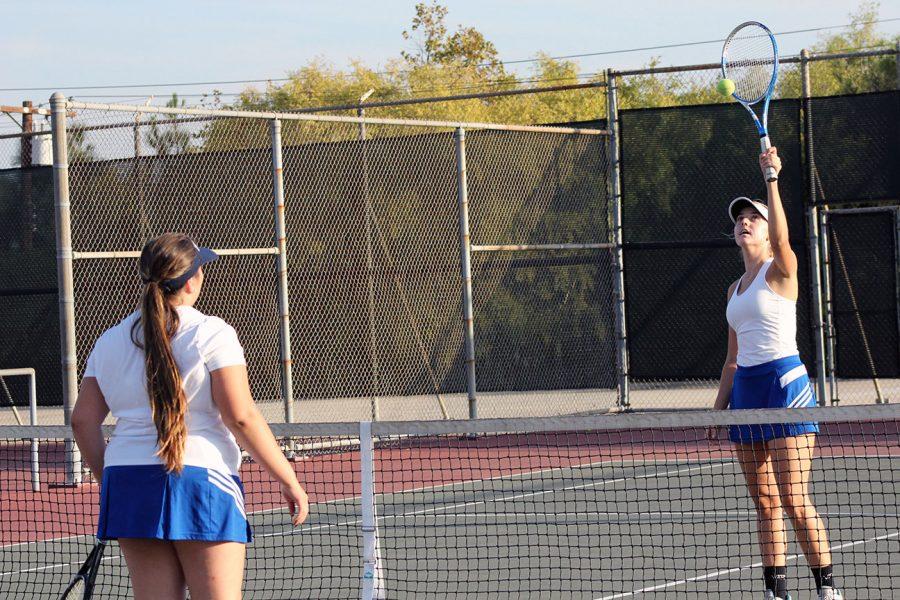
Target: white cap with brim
column 742, row 202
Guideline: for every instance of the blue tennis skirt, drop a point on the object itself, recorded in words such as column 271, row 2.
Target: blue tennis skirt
column 781, row 383
column 145, row 501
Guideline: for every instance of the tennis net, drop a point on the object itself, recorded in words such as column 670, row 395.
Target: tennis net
column 597, row 507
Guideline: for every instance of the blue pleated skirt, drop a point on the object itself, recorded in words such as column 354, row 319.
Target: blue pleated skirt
column 781, row 383
column 145, row 501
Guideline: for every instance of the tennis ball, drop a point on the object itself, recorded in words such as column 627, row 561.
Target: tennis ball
column 725, row 87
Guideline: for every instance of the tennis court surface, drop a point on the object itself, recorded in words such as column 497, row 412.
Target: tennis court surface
column 593, row 507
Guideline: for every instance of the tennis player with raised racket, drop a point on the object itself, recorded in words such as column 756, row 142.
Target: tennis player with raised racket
column 763, row 368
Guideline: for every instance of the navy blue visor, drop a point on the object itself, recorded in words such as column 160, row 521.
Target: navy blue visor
column 203, row 256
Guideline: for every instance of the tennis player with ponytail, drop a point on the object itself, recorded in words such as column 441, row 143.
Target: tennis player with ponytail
column 176, row 381
column 763, row 370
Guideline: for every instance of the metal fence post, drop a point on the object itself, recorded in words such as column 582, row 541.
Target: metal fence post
column 897, row 257
column 813, row 244
column 287, row 387
column 828, row 304
column 65, row 279
column 897, row 63
column 370, row 266
column 27, row 161
column 465, row 248
column 612, row 111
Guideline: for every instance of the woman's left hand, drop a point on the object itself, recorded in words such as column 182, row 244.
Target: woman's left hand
column 770, row 158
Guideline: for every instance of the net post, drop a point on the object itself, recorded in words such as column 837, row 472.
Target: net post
column 465, row 248
column 812, row 223
column 287, row 387
column 65, row 278
column 372, row 587
column 623, row 400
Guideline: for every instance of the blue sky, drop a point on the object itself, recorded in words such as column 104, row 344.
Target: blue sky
column 51, row 44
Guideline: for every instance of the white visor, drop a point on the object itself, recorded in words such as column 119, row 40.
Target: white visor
column 742, row 202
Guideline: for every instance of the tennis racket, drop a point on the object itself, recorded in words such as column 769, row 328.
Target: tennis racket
column 750, row 60
column 82, row 585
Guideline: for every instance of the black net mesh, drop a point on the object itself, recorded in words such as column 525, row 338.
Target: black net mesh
column 864, row 283
column 856, row 150
column 373, row 251
column 49, row 525
column 29, row 325
column 680, row 169
column 546, row 325
column 586, row 507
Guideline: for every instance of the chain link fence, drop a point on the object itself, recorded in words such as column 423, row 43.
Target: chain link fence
column 372, row 258
column 685, row 155
column 861, row 312
column 29, row 328
column 680, row 169
column 378, row 304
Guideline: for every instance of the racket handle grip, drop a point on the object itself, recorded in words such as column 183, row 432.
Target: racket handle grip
column 769, row 173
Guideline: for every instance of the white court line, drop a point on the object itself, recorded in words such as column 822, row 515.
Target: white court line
column 621, row 462
column 57, row 566
column 712, row 515
column 551, row 491
column 48, row 540
column 715, row 574
column 447, row 507
column 302, row 529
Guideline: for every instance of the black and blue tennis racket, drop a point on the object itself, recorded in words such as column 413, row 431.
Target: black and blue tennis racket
column 750, row 60
column 82, row 585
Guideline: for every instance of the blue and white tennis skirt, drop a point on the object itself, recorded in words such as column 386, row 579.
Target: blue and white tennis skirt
column 781, row 383
column 146, row 501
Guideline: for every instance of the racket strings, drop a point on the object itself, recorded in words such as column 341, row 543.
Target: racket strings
column 76, row 592
column 749, row 61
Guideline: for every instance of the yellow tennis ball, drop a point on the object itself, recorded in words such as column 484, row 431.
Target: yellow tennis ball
column 725, row 87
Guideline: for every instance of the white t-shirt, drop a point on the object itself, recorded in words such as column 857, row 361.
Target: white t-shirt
column 201, row 345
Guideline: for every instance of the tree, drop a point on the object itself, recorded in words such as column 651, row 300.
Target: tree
column 430, row 20
column 465, row 47
column 442, row 64
column 849, row 76
column 79, row 149
column 169, row 139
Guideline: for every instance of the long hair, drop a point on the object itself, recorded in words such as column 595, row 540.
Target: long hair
column 164, row 258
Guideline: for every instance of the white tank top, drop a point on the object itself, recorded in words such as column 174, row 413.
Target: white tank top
column 765, row 322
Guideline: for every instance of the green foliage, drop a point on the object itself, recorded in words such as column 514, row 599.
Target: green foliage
column 850, row 76
column 465, row 47
column 79, row 149
column 444, row 62
column 676, row 89
column 170, row 138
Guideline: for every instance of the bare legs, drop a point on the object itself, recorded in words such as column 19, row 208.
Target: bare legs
column 162, row 570
column 777, row 474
